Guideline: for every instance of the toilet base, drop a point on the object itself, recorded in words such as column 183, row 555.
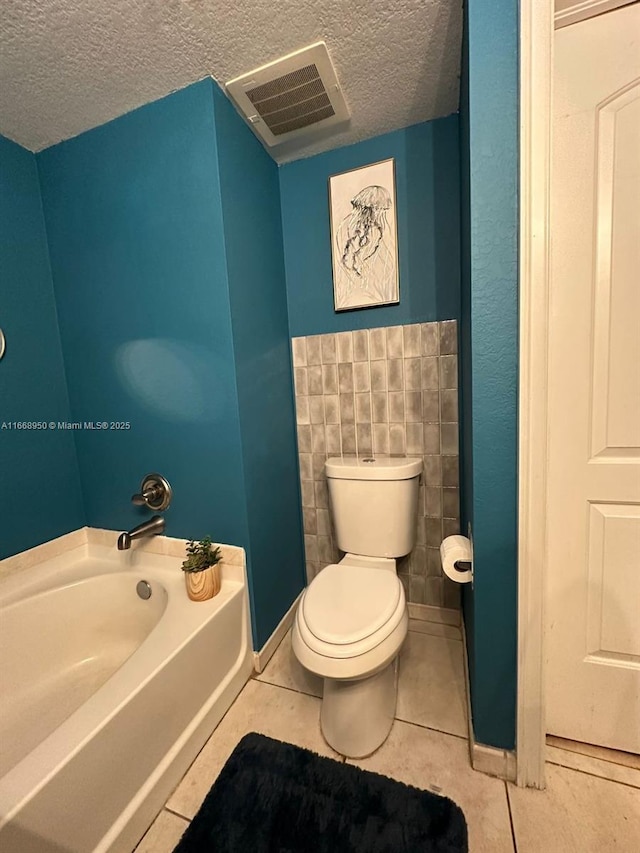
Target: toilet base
column 356, row 716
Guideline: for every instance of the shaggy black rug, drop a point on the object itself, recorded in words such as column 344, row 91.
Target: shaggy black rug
column 272, row 797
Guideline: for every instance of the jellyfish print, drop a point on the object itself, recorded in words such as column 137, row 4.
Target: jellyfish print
column 364, row 249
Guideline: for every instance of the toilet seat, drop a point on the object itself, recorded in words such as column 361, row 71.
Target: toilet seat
column 348, row 611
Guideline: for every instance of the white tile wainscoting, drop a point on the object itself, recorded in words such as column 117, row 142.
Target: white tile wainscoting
column 384, row 391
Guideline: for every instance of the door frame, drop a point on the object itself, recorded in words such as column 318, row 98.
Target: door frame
column 536, row 76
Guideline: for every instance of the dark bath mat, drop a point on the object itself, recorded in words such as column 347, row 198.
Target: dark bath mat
column 273, row 797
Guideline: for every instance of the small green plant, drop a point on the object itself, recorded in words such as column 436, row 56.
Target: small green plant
column 201, row 555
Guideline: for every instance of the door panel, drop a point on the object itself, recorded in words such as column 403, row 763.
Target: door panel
column 593, row 588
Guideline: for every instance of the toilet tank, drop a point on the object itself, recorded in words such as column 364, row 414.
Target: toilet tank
column 374, row 503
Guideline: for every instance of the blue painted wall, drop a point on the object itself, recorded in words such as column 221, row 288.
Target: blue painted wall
column 258, row 299
column 166, row 247
column 40, row 489
column 489, row 123
column 428, row 204
column 134, row 221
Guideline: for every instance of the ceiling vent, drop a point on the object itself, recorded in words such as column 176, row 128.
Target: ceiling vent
column 291, row 96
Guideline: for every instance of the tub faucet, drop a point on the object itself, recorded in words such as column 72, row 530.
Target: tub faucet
column 153, row 527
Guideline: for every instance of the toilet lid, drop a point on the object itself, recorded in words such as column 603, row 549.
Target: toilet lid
column 345, row 604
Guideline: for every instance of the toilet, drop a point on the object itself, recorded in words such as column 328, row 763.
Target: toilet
column 352, row 618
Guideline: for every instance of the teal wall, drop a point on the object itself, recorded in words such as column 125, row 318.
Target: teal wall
column 167, row 265
column 255, row 266
column 134, row 222
column 40, row 495
column 489, row 125
column 428, row 206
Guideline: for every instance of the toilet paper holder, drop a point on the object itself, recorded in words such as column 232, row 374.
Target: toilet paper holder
column 456, row 556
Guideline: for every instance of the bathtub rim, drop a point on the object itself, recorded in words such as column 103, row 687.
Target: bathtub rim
column 23, row 782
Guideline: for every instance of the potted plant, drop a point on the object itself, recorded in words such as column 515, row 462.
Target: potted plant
column 202, row 570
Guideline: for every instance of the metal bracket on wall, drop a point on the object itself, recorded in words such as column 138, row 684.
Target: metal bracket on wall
column 3, row 344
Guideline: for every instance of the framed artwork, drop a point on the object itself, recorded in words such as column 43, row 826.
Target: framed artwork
column 364, row 241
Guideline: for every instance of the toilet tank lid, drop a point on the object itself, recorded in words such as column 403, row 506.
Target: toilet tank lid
column 373, row 468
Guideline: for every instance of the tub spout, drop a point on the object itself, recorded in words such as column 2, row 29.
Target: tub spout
column 153, row 527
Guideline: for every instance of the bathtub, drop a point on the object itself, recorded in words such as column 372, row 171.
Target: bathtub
column 108, row 697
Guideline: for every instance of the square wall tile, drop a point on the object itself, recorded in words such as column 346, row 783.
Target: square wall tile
column 448, row 337
column 381, row 438
column 331, row 409
column 329, row 379
column 309, row 520
column 304, row 437
column 314, row 379
column 379, row 376
column 345, row 378
column 397, row 440
column 377, row 344
column 449, row 439
column 449, row 405
column 348, row 436
column 430, row 379
column 415, row 437
column 413, row 407
column 344, row 342
column 318, row 443
column 300, row 380
column 299, row 351
column 395, row 346
column 429, row 339
column 328, row 349
column 363, row 408
column 316, row 410
column 361, row 345
column 364, row 439
column 380, row 407
column 332, row 439
column 412, row 374
column 314, row 355
column 347, row 409
column 361, row 376
column 395, row 374
column 412, row 343
column 385, row 391
column 448, row 371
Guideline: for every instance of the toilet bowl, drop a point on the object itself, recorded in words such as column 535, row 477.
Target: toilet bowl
column 355, row 649
column 352, row 619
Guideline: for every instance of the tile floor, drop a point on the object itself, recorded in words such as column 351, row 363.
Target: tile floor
column 427, row 747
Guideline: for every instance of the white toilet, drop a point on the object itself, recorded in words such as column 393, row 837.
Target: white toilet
column 352, row 618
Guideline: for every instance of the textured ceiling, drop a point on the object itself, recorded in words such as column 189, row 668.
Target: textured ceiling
column 69, row 65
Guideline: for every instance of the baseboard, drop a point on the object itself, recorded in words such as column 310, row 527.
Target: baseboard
column 430, row 613
column 485, row 759
column 262, row 658
column 493, row 761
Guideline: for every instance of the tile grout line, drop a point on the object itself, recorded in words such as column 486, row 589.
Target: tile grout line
column 176, row 814
column 430, row 728
column 513, row 829
column 399, row 719
column 588, row 755
column 594, row 775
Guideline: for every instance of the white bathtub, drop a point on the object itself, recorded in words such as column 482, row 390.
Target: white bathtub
column 107, row 698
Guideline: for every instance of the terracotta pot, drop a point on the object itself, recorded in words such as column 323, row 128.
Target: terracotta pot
column 202, row 586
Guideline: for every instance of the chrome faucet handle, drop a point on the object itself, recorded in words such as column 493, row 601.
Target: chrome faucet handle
column 155, row 492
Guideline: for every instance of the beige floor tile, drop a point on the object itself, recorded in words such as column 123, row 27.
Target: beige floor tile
column 615, row 756
column 594, row 766
column 273, row 711
column 576, row 813
column 163, row 834
column 285, row 670
column 440, row 762
column 431, row 689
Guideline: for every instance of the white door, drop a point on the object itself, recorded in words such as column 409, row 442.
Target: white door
column 593, row 588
